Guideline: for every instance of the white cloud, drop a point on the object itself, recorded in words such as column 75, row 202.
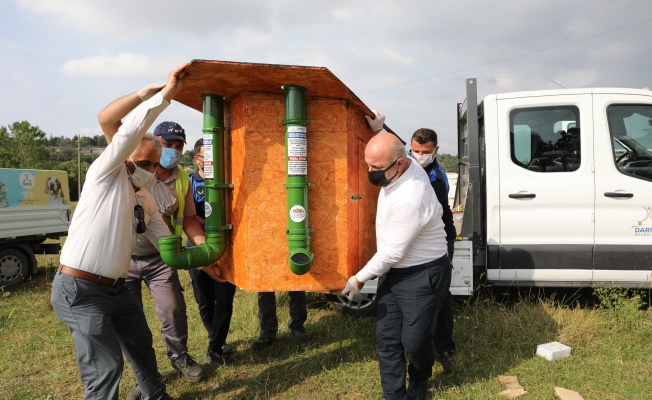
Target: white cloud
column 128, row 19
column 394, row 56
column 577, row 78
column 409, row 61
column 71, row 13
column 121, row 65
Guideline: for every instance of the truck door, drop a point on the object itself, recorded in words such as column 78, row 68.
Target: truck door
column 623, row 175
column 546, row 190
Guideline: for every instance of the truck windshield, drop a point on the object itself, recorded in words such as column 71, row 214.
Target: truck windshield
column 630, row 126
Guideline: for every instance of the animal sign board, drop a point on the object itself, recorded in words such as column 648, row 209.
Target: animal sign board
column 29, row 187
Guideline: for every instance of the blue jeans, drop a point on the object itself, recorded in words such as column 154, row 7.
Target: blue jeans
column 409, row 300
column 104, row 322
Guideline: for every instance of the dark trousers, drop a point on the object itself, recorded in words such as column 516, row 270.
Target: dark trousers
column 267, row 313
column 215, row 302
column 409, row 300
column 443, row 339
column 104, row 322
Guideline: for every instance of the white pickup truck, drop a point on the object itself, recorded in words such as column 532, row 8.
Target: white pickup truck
column 556, row 188
column 34, row 206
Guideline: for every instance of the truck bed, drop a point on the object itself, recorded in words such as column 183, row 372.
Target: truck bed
column 40, row 221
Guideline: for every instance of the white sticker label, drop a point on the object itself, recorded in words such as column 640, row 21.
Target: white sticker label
column 208, row 156
column 297, row 213
column 208, row 210
column 297, row 151
column 294, row 128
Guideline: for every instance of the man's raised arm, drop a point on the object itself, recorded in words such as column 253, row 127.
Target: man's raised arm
column 110, row 118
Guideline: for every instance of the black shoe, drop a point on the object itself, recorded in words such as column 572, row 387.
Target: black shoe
column 417, row 390
column 300, row 334
column 188, row 367
column 219, row 359
column 446, row 360
column 261, row 343
column 226, row 349
column 134, row 394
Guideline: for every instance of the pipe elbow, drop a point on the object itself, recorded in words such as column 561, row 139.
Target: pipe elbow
column 178, row 257
column 300, row 260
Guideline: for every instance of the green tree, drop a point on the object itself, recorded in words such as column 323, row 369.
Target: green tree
column 101, row 141
column 65, row 153
column 24, row 146
column 85, row 142
column 66, row 142
column 71, row 167
column 448, row 162
column 186, row 160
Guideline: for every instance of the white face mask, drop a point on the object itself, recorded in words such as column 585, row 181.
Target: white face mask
column 140, row 178
column 424, row 160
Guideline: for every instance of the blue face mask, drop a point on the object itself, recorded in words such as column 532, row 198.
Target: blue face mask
column 170, row 158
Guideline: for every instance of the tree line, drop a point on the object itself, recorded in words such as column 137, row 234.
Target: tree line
column 28, row 147
column 24, row 146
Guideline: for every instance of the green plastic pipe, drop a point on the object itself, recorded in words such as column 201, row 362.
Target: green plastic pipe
column 172, row 253
column 298, row 232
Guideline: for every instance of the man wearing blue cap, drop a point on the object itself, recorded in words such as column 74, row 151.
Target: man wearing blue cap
column 173, row 195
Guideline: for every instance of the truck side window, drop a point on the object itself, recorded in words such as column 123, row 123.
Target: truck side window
column 546, row 139
column 630, row 126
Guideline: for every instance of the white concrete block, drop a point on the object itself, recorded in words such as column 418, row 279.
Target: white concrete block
column 553, row 351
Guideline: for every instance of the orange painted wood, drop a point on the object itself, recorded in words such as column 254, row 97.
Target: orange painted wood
column 343, row 232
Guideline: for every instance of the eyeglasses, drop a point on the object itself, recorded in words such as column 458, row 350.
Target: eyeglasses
column 139, row 213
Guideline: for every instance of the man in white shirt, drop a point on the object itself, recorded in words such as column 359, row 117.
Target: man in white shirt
column 88, row 291
column 172, row 193
column 412, row 264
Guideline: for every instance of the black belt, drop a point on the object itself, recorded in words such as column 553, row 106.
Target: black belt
column 87, row 276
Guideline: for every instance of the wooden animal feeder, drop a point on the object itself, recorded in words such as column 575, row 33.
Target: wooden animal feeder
column 299, row 210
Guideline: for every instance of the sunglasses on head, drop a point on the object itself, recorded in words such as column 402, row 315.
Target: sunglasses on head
column 139, row 213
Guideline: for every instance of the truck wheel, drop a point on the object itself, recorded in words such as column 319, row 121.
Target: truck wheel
column 363, row 305
column 14, row 267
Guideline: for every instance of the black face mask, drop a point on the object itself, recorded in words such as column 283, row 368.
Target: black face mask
column 377, row 178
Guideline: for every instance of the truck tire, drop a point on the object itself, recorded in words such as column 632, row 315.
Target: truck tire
column 14, row 266
column 364, row 305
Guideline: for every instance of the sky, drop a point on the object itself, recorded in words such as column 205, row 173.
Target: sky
column 62, row 61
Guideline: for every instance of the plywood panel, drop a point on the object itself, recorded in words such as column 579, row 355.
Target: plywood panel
column 357, row 127
column 256, row 257
column 343, row 236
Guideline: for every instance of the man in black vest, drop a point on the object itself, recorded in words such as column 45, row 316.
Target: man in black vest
column 424, row 151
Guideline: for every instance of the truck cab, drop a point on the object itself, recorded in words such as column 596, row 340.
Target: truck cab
column 560, row 186
column 556, row 189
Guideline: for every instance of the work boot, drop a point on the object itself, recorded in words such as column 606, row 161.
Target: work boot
column 134, row 394
column 446, row 360
column 300, row 334
column 188, row 367
column 261, row 343
column 417, row 390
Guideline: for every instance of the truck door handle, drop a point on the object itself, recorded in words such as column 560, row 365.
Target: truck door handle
column 618, row 194
column 522, row 195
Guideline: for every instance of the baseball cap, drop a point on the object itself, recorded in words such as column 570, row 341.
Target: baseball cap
column 169, row 130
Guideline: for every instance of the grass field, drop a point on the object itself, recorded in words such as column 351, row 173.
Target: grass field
column 609, row 335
